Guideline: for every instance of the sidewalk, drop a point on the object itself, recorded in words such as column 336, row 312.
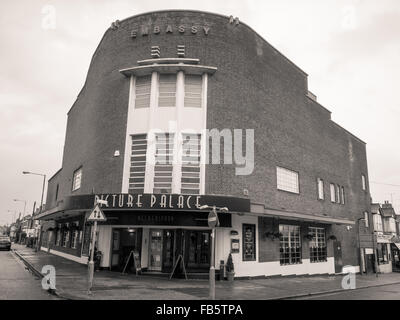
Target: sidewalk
column 71, row 283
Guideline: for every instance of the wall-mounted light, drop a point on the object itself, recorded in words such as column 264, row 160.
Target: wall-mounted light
column 116, row 153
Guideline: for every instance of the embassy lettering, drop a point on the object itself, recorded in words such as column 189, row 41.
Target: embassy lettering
column 182, row 29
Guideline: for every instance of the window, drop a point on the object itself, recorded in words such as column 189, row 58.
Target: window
column 249, row 242
column 392, row 225
column 77, row 179
column 363, row 181
column 163, row 163
column 287, row 180
column 193, row 88
column 142, row 92
column 290, row 244
column 337, row 194
column 57, row 191
column 65, row 238
column 138, row 163
column 320, row 185
column 342, row 195
column 333, row 193
column 190, row 181
column 58, row 236
column 167, row 90
column 377, row 222
column 382, row 253
column 74, row 239
column 366, row 219
column 317, row 245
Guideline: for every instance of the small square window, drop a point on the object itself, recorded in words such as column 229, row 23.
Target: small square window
column 287, row 180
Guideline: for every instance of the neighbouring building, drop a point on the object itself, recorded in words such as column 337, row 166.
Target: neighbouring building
column 386, row 228
column 136, row 137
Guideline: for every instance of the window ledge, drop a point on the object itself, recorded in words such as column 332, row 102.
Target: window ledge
column 167, row 68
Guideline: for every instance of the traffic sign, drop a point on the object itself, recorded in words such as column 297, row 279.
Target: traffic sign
column 213, row 220
column 97, row 214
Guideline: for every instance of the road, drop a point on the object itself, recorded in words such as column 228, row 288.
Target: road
column 17, row 283
column 387, row 292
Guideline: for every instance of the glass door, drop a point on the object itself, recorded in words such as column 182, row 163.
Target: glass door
column 115, row 248
column 168, row 250
column 155, row 252
column 198, row 249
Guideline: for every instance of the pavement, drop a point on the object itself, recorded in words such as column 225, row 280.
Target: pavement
column 71, row 283
column 17, row 283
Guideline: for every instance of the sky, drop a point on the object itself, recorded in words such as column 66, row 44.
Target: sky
column 349, row 48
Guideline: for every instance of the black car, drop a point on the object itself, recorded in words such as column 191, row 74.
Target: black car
column 5, row 243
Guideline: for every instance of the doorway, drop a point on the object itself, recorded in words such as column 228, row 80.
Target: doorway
column 337, row 252
column 155, row 250
column 198, row 250
column 123, row 241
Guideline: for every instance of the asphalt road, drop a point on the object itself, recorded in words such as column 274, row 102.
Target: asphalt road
column 388, row 292
column 17, row 283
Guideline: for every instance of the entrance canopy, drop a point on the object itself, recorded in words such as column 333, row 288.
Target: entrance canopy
column 291, row 215
column 149, row 203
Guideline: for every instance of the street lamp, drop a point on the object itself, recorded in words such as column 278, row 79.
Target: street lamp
column 41, row 202
column 44, row 183
column 213, row 222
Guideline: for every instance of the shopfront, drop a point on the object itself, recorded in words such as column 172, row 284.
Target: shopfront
column 157, row 227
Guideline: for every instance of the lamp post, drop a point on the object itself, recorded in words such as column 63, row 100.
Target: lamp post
column 41, row 202
column 359, row 246
column 213, row 222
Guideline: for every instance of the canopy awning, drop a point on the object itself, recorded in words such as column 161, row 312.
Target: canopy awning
column 291, row 215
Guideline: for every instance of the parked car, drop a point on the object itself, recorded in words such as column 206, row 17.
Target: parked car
column 5, row 242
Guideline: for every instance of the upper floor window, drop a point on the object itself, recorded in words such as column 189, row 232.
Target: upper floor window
column 342, row 195
column 366, row 220
column 142, row 92
column 364, row 183
column 58, row 186
column 77, row 179
column 377, row 222
column 333, row 193
column 193, row 91
column 167, row 90
column 287, row 180
column 163, row 163
column 138, row 163
column 320, row 184
column 337, row 194
column 191, row 147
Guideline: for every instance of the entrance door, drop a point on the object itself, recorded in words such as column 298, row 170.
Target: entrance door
column 370, row 263
column 155, row 252
column 115, row 249
column 337, row 251
column 168, row 250
column 198, row 249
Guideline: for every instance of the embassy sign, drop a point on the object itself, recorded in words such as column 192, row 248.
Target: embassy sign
column 145, row 30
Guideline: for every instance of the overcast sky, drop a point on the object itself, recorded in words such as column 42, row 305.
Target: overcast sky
column 350, row 50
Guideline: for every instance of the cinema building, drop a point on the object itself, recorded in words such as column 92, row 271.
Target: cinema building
column 137, row 137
